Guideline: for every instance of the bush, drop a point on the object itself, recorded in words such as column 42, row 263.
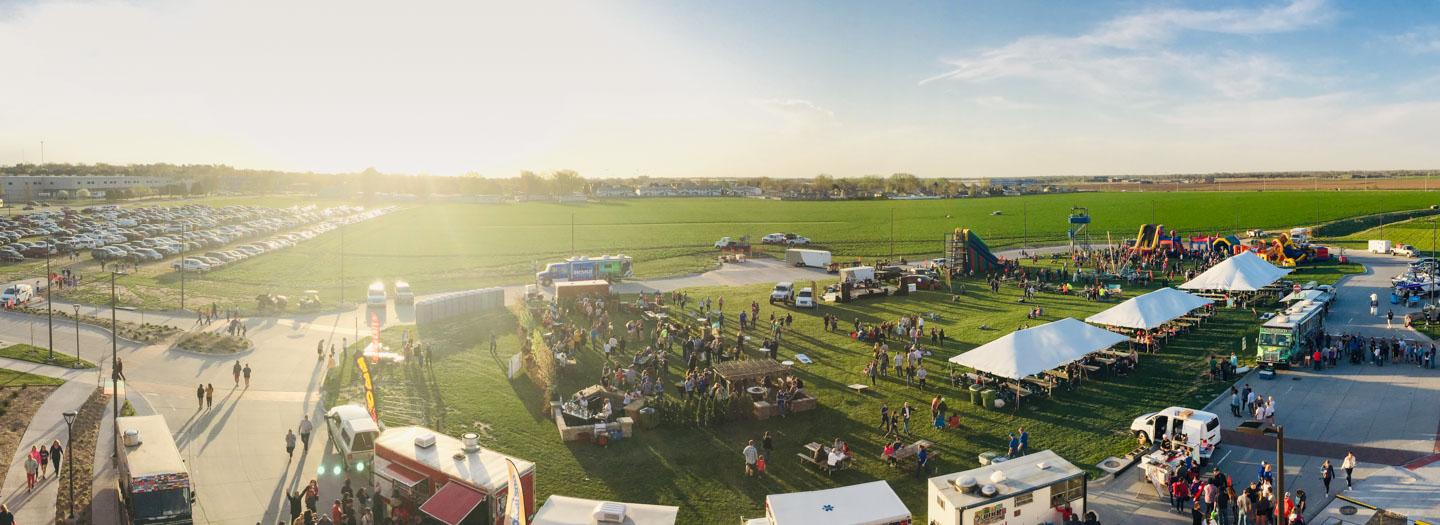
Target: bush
column 212, row 343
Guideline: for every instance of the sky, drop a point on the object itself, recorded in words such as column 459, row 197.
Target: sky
column 740, row 88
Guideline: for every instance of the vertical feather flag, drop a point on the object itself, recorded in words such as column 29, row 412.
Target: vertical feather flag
column 515, row 499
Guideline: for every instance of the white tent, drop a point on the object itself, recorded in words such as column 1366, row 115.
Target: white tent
column 1318, row 296
column 565, row 510
column 1034, row 350
column 1246, row 272
column 873, row 503
column 1149, row 311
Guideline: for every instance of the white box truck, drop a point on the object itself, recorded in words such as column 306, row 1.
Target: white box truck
column 1379, row 246
column 810, row 258
column 1028, row 490
column 154, row 482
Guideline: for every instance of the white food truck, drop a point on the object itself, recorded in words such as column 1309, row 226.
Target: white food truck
column 1184, row 426
column 1029, row 490
column 154, row 482
column 873, row 503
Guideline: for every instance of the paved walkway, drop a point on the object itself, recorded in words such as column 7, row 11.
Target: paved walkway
column 38, row 505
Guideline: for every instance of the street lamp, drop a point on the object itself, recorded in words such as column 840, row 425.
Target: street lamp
column 49, row 312
column 77, row 334
column 1259, row 428
column 69, row 439
column 114, row 370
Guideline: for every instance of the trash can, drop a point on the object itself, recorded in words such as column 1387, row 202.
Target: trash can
column 648, row 418
column 975, row 395
column 987, row 397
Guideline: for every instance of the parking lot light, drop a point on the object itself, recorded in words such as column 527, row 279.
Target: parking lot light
column 1260, row 428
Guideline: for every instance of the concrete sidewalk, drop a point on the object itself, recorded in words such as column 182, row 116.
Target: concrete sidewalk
column 38, row 505
column 90, row 375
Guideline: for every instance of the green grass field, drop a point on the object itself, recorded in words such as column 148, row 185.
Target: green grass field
column 35, row 354
column 663, row 465
column 440, row 247
column 1419, row 232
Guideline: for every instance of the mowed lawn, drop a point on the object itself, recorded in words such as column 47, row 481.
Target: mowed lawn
column 440, row 247
column 1420, row 232
column 700, row 469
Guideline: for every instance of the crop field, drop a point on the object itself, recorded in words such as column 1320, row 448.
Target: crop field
column 439, row 247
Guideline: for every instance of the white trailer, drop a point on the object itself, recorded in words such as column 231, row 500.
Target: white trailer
column 1379, row 246
column 873, row 503
column 857, row 274
column 1028, row 490
column 811, row 258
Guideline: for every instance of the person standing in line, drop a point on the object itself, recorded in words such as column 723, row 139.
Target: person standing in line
column 210, row 395
column 236, row 371
column 1327, row 474
column 55, row 452
column 751, row 457
column 247, row 375
column 289, row 445
column 200, row 396
column 1349, row 465
column 305, row 428
column 1234, row 402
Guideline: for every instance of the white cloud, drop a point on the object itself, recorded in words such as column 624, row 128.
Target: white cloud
column 1422, row 40
column 1131, row 58
column 799, row 112
column 1003, row 103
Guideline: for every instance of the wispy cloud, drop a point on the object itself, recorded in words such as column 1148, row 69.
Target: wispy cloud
column 1000, row 102
column 799, row 112
column 1133, row 57
column 1421, row 40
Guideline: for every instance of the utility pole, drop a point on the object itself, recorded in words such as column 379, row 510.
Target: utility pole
column 42, row 152
column 49, row 311
column 1024, row 224
column 114, row 371
column 77, row 334
column 892, row 232
column 572, row 234
column 183, row 252
column 342, row 263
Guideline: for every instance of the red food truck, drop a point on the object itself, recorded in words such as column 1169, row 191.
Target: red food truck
column 441, row 479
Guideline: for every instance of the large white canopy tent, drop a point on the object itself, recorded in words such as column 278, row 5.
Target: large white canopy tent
column 1149, row 311
column 1027, row 352
column 1246, row 272
column 873, row 503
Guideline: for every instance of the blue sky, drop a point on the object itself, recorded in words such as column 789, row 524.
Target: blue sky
column 742, row 88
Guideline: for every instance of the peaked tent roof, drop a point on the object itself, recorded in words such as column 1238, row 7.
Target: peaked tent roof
column 873, row 503
column 1150, row 310
column 1246, row 272
column 1033, row 350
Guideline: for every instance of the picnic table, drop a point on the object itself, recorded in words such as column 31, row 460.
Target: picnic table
column 909, row 451
column 1113, row 353
column 1048, row 386
column 655, row 316
column 809, row 457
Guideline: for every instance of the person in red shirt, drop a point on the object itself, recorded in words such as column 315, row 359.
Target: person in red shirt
column 337, row 513
column 1317, row 359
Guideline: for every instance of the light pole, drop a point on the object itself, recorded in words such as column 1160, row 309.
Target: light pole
column 183, row 253
column 114, row 370
column 49, row 312
column 1278, row 432
column 77, row 335
column 69, row 439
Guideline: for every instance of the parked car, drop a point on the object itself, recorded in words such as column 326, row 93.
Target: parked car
column 403, row 295
column 784, row 292
column 18, row 293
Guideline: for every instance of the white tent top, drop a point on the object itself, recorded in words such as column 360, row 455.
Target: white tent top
column 1033, row 350
column 1246, row 272
column 873, row 503
column 1149, row 311
column 1318, row 296
column 565, row 510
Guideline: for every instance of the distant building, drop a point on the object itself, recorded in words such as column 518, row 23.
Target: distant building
column 28, row 187
column 614, row 192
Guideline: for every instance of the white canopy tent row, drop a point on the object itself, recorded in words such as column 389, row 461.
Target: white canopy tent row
column 1246, row 272
column 1031, row 351
column 1150, row 311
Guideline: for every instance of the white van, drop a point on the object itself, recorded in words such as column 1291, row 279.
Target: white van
column 18, row 293
column 805, row 298
column 352, row 433
column 1192, row 425
column 375, row 296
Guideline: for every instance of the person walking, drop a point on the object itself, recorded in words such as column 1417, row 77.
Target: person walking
column 55, row 452
column 6, row 518
column 200, row 396
column 768, row 445
column 247, row 375
column 209, row 395
column 1327, row 473
column 1014, row 445
column 1349, row 465
column 289, row 445
column 305, row 428
column 1389, row 318
column 751, row 456
column 44, row 460
column 293, row 499
column 236, row 370
column 1024, row 441
column 32, row 467
column 905, row 413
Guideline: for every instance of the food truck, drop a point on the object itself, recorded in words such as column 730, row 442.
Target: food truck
column 605, row 267
column 565, row 510
column 1196, row 430
column 1284, row 336
column 873, row 503
column 154, row 482
column 452, row 481
column 1028, row 490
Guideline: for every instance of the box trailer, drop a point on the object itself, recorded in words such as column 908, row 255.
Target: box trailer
column 811, row 258
column 575, row 289
column 857, row 274
column 1028, row 490
column 1379, row 246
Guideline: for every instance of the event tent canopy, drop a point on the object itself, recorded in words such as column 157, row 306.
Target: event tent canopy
column 1246, row 272
column 1034, row 350
column 873, row 503
column 1149, row 311
column 565, row 510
